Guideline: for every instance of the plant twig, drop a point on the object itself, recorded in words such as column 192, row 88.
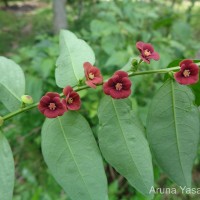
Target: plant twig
column 79, row 88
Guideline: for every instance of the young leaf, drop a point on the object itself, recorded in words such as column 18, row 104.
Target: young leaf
column 12, row 84
column 73, row 53
column 173, row 131
column 7, row 173
column 73, row 157
column 123, row 144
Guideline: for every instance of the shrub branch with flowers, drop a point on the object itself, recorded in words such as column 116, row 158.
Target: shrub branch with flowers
column 70, row 150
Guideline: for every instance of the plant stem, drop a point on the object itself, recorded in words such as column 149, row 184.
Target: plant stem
column 79, row 88
column 153, row 71
column 12, row 114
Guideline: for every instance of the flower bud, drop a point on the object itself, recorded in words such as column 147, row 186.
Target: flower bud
column 134, row 64
column 171, row 74
column 1, row 121
column 27, row 99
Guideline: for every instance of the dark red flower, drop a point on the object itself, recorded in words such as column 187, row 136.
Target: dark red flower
column 118, row 86
column 92, row 74
column 147, row 52
column 51, row 106
column 72, row 100
column 188, row 74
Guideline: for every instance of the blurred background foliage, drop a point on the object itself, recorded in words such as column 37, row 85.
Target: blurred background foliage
column 111, row 28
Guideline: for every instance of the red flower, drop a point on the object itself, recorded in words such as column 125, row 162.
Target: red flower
column 51, row 106
column 92, row 74
column 147, row 52
column 72, row 101
column 118, row 86
column 188, row 74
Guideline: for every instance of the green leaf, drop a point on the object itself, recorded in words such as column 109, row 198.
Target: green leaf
column 175, row 63
column 196, row 90
column 73, row 157
column 123, row 144
column 7, row 173
column 73, row 53
column 173, row 131
column 181, row 31
column 118, row 58
column 12, row 84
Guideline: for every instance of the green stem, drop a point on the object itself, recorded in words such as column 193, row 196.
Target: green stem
column 154, row 71
column 12, row 114
column 79, row 88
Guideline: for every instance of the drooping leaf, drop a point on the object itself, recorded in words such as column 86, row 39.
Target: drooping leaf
column 123, row 144
column 7, row 173
column 12, row 84
column 173, row 131
column 73, row 157
column 73, row 53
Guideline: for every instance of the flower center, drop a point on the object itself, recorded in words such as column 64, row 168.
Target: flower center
column 91, row 76
column 70, row 100
column 147, row 52
column 118, row 86
column 186, row 73
column 52, row 106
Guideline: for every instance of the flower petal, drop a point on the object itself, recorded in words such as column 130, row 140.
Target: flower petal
column 154, row 56
column 195, row 79
column 45, row 100
column 121, row 74
column 149, row 47
column 106, row 88
column 90, row 84
column 125, row 93
column 41, row 108
column 185, row 62
column 51, row 113
column 67, row 90
column 97, row 80
column 194, row 68
column 139, row 45
column 74, row 106
column 56, row 100
column 61, row 111
column 96, row 72
column 126, row 83
column 52, row 94
column 113, row 80
column 87, row 66
column 115, row 94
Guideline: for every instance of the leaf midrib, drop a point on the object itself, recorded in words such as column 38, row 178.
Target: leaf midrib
column 79, row 171
column 127, row 144
column 176, row 129
column 11, row 92
column 71, row 59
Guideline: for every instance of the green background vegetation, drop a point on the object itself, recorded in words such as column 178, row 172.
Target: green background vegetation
column 111, row 28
